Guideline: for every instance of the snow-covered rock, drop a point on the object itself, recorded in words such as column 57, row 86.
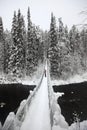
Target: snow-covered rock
column 79, row 126
column 58, row 119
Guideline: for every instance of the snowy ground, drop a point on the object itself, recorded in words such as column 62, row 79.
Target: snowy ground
column 38, row 115
column 74, row 79
column 35, row 79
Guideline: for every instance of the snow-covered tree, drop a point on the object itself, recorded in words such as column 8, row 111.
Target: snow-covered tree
column 20, row 53
column 35, row 46
column 34, row 49
column 46, row 42
column 7, row 49
column 72, row 37
column 1, row 30
column 63, row 45
column 1, row 47
column 13, row 49
column 61, row 31
column 83, row 40
column 53, row 50
column 39, row 44
column 17, row 49
column 29, row 47
column 24, row 44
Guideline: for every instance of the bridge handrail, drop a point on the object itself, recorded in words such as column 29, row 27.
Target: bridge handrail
column 23, row 109
column 50, row 93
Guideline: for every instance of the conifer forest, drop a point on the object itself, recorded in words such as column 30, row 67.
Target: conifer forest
column 23, row 48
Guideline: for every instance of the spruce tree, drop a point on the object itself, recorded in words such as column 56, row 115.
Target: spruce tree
column 20, row 53
column 17, row 50
column 35, row 46
column 38, row 45
column 12, row 69
column 24, row 45
column 72, row 36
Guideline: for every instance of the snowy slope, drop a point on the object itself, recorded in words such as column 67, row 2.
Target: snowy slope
column 38, row 115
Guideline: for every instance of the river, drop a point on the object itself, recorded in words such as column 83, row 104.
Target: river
column 74, row 101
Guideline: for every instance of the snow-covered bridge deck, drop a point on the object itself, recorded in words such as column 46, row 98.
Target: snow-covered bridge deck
column 38, row 115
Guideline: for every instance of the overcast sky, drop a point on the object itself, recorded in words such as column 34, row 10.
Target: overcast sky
column 41, row 11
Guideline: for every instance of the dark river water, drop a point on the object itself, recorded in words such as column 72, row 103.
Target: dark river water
column 73, row 103
column 10, row 97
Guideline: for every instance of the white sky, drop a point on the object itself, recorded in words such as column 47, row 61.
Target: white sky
column 41, row 11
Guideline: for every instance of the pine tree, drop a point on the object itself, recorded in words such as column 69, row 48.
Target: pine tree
column 67, row 42
column 53, row 50
column 72, row 36
column 13, row 49
column 60, row 27
column 1, row 30
column 46, row 43
column 7, row 48
column 29, row 47
column 20, row 45
column 66, row 32
column 17, row 50
column 63, row 45
column 24, row 45
column 39, row 46
column 84, row 48
column 1, row 47
column 35, row 46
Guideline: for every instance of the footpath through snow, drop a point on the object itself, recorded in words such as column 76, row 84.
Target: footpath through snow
column 38, row 115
